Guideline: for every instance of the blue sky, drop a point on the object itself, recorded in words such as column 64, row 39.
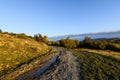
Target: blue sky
column 59, row 17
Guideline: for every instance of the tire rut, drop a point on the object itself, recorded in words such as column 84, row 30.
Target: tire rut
column 66, row 68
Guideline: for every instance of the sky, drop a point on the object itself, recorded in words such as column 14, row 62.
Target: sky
column 59, row 17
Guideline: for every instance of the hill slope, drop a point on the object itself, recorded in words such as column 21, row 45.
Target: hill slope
column 15, row 52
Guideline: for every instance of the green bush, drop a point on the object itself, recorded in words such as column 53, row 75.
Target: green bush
column 40, row 38
column 0, row 31
column 22, row 35
column 68, row 43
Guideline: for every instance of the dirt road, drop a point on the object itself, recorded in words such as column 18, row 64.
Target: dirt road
column 66, row 68
column 59, row 66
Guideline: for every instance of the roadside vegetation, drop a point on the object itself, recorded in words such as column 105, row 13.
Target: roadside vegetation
column 19, row 49
column 88, row 43
column 98, row 67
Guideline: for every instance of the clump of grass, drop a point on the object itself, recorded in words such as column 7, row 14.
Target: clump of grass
column 98, row 67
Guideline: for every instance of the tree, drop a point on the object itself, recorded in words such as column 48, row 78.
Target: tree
column 87, row 42
column 40, row 38
column 77, row 43
column 22, row 35
column 68, row 43
column 0, row 31
column 45, row 39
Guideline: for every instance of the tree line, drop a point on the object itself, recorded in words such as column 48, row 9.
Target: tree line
column 87, row 43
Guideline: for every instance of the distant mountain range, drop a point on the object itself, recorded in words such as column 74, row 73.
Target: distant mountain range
column 115, row 34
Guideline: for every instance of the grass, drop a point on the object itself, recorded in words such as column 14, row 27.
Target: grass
column 98, row 67
column 33, row 65
column 15, row 52
column 104, row 52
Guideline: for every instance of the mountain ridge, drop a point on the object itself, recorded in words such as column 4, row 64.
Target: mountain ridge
column 110, row 34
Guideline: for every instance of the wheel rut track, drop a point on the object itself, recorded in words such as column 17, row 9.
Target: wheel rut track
column 66, row 68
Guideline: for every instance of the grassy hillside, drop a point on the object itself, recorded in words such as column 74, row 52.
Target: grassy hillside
column 16, row 51
column 97, row 66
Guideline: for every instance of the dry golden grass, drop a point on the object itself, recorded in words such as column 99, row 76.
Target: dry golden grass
column 104, row 52
column 27, row 70
column 16, row 51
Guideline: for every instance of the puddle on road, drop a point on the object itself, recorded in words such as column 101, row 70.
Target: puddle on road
column 41, row 71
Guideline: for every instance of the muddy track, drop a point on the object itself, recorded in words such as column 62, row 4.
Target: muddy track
column 66, row 68
column 59, row 66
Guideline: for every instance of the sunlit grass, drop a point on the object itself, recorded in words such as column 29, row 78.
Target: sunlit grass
column 15, row 51
column 104, row 52
column 98, row 67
